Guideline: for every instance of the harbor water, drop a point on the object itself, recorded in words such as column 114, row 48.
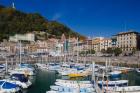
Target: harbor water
column 43, row 80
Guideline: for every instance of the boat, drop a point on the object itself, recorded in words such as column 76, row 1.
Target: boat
column 126, row 89
column 9, row 87
column 113, row 83
column 75, row 75
column 71, row 89
column 20, row 80
column 73, row 81
column 115, row 74
column 138, row 70
column 124, row 70
column 25, row 71
column 74, row 84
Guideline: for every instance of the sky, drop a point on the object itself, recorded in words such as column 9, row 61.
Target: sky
column 91, row 18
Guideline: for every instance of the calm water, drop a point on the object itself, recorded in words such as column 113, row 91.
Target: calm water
column 43, row 80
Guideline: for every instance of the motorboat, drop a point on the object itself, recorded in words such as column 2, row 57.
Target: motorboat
column 20, row 80
column 9, row 87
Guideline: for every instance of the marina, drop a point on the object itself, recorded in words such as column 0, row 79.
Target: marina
column 43, row 80
column 41, row 52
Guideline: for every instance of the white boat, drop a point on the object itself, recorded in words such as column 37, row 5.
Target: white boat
column 127, row 89
column 138, row 70
column 115, row 74
column 25, row 71
column 71, row 89
column 42, row 66
column 76, row 85
column 73, row 81
column 113, row 83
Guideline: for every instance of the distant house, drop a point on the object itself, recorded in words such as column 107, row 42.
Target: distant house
column 23, row 37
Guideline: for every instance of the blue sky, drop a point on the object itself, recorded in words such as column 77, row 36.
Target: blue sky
column 88, row 17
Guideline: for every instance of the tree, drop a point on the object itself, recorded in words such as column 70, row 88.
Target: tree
column 109, row 50
column 92, row 51
column 117, row 51
column 134, row 50
column 103, row 51
column 14, row 22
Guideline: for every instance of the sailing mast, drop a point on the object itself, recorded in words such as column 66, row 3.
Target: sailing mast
column 77, row 49
column 20, row 53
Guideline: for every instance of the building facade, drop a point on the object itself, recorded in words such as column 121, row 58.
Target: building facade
column 127, row 41
column 25, row 37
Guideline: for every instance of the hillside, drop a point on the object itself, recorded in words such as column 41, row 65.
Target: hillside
column 16, row 22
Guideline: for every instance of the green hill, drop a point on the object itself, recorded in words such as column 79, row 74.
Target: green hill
column 16, row 22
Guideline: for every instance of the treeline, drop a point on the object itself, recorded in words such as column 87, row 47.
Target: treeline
column 116, row 51
column 16, row 22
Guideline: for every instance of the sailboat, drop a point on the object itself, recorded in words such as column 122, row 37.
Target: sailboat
column 22, row 68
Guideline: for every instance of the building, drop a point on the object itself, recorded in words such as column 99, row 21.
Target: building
column 96, row 43
column 25, row 37
column 32, row 47
column 127, row 41
column 114, row 41
column 100, row 43
column 105, row 44
column 51, row 44
column 42, row 46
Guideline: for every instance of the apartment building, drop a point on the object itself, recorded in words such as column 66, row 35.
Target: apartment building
column 105, row 43
column 128, row 40
column 100, row 43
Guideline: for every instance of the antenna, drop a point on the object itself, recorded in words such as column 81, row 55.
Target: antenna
column 13, row 5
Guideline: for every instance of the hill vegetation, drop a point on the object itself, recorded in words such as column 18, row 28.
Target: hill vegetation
column 16, row 22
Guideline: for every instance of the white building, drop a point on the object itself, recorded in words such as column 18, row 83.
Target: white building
column 23, row 37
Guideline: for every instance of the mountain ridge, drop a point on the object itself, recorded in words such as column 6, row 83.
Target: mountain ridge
column 13, row 22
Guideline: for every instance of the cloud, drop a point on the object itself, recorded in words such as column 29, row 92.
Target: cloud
column 56, row 16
